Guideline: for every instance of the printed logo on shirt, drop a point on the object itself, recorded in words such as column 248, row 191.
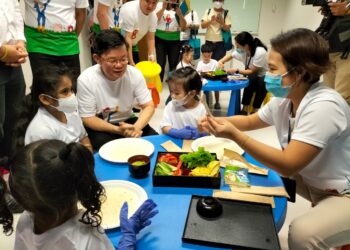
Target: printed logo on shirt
column 134, row 33
column 40, row 9
column 168, row 20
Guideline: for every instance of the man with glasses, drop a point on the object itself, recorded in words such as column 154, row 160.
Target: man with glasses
column 108, row 90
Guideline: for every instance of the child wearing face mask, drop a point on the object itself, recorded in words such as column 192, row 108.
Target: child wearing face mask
column 181, row 114
column 53, row 109
column 186, row 56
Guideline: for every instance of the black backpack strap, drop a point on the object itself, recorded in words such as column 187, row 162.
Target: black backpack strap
column 225, row 14
column 209, row 12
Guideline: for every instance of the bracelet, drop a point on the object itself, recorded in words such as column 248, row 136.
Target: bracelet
column 5, row 53
column 245, row 141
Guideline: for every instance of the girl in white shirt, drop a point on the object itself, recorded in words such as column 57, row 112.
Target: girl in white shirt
column 49, row 178
column 53, row 109
column 253, row 53
column 312, row 123
column 186, row 57
column 181, row 114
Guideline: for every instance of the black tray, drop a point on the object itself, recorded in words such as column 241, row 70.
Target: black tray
column 184, row 181
column 242, row 225
column 223, row 77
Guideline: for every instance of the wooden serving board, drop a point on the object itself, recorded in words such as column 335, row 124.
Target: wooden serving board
column 244, row 197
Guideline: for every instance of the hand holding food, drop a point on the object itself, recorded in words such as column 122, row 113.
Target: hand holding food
column 221, row 127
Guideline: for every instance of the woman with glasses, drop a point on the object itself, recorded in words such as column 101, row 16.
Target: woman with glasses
column 108, row 90
column 313, row 127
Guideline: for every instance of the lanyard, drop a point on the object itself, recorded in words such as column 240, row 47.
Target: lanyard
column 247, row 62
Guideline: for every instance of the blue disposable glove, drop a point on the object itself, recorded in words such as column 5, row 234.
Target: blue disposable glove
column 196, row 134
column 131, row 227
column 183, row 133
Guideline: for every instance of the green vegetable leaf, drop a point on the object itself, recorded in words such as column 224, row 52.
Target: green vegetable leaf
column 198, row 158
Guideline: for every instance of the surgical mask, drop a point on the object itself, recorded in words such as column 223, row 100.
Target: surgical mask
column 218, row 5
column 274, row 84
column 240, row 51
column 179, row 102
column 67, row 105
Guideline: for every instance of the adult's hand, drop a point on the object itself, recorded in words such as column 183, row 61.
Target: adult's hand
column 338, row 9
column 221, row 127
column 129, row 130
column 13, row 53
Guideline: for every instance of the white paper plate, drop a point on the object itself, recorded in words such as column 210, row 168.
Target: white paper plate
column 120, row 150
column 216, row 145
column 118, row 192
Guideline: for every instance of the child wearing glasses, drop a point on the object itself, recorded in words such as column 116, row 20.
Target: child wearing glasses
column 49, row 178
column 181, row 113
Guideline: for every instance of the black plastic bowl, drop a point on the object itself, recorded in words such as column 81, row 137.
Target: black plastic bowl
column 139, row 171
column 209, row 207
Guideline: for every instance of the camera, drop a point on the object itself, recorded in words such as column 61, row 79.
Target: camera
column 328, row 19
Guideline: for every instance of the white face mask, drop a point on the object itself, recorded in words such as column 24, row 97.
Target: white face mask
column 66, row 105
column 179, row 102
column 218, row 5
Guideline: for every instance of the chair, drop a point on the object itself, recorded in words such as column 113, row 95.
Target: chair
column 266, row 100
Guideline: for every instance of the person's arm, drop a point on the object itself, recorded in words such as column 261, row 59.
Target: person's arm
column 80, row 15
column 151, row 46
column 223, row 60
column 181, row 18
column 147, row 111
column 85, row 141
column 249, row 71
column 220, row 19
column 102, row 16
column 98, row 124
column 128, row 39
column 206, row 24
column 12, row 54
column 287, row 162
column 161, row 11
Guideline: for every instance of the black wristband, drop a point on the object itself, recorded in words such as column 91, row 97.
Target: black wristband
column 237, row 71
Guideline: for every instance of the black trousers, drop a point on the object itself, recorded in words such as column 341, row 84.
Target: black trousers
column 12, row 91
column 257, row 85
column 38, row 60
column 98, row 138
column 170, row 49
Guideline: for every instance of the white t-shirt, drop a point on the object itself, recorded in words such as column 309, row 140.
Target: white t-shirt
column 113, row 100
column 46, row 126
column 259, row 60
column 58, row 15
column 113, row 11
column 206, row 67
column 71, row 235
column 185, row 35
column 213, row 32
column 11, row 22
column 132, row 19
column 183, row 65
column 322, row 120
column 179, row 117
column 167, row 22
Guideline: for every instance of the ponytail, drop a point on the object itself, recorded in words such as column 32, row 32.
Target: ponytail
column 6, row 217
column 245, row 38
column 258, row 43
column 80, row 163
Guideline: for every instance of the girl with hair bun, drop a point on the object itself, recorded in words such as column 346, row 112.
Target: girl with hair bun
column 48, row 178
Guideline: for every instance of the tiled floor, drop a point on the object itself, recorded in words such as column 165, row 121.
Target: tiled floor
column 267, row 136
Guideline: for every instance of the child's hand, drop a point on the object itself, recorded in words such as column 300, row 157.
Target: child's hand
column 139, row 220
column 197, row 134
column 220, row 65
column 183, row 133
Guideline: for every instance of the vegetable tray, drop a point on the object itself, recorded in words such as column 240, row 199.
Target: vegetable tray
column 183, row 179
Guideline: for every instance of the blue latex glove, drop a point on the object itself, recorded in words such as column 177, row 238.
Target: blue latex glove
column 196, row 134
column 131, row 227
column 183, row 133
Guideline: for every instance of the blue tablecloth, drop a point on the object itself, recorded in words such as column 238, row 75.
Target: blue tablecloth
column 167, row 227
column 234, row 87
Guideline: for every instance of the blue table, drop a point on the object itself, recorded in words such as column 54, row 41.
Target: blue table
column 167, row 227
column 234, row 87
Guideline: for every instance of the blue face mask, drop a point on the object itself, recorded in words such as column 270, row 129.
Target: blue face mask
column 240, row 51
column 274, row 84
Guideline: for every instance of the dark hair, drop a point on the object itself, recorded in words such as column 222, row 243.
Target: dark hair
column 106, row 40
column 206, row 48
column 6, row 217
column 245, row 38
column 304, row 52
column 183, row 50
column 188, row 77
column 49, row 176
column 45, row 81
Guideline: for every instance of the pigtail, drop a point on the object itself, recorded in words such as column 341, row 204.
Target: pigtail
column 6, row 217
column 80, row 163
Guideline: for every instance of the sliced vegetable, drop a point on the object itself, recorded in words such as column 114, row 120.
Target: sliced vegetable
column 178, row 170
column 164, row 168
column 196, row 159
column 211, row 169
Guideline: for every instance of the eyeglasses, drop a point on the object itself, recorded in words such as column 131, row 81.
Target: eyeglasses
column 114, row 61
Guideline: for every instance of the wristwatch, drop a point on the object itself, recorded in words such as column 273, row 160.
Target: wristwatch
column 237, row 71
